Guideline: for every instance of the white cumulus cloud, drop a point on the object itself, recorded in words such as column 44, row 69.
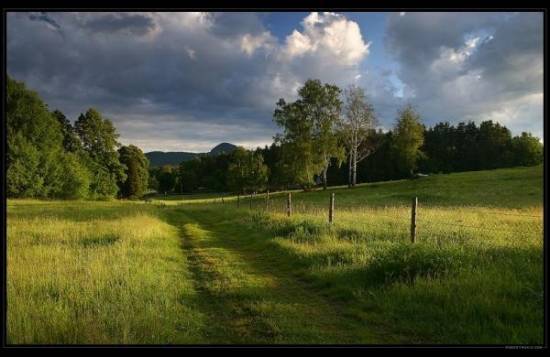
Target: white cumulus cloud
column 327, row 34
column 250, row 43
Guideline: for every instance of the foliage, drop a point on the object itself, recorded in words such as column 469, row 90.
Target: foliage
column 23, row 174
column 77, row 178
column 246, row 171
column 99, row 141
column 356, row 128
column 409, row 136
column 38, row 165
column 48, row 157
column 166, row 179
column 470, row 147
column 137, row 171
column 309, row 139
column 322, row 103
column 71, row 141
column 273, row 154
column 204, row 172
column 527, row 150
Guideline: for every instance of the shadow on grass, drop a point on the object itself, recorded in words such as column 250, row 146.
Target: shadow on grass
column 482, row 288
column 251, row 300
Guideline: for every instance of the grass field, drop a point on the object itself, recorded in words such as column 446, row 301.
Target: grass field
column 191, row 269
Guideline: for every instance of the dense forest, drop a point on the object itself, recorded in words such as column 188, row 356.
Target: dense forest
column 328, row 137
column 48, row 157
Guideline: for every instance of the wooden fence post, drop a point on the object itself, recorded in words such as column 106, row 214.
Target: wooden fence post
column 267, row 200
column 413, row 219
column 289, row 204
column 250, row 201
column 238, row 200
column 331, row 209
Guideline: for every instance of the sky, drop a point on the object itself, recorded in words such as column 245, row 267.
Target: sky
column 189, row 81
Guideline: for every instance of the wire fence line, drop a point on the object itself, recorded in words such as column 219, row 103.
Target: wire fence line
column 279, row 203
column 279, row 198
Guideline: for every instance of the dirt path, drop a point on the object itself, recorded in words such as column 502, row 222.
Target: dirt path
column 247, row 300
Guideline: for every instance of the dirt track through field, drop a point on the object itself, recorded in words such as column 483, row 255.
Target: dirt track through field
column 248, row 300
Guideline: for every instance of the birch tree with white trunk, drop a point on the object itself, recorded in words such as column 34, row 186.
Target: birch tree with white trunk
column 357, row 124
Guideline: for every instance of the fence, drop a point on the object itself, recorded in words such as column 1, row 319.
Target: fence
column 416, row 219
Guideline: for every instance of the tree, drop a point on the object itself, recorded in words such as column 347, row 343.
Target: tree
column 409, row 136
column 166, row 179
column 466, row 139
column 71, row 142
column 188, row 175
column 137, row 171
column 440, row 148
column 527, row 150
column 23, row 174
column 153, row 183
column 273, row 159
column 258, row 172
column 298, row 162
column 99, row 141
column 357, row 127
column 494, row 145
column 309, row 140
column 323, row 104
column 247, row 171
column 77, row 178
column 238, row 170
column 204, row 172
column 37, row 164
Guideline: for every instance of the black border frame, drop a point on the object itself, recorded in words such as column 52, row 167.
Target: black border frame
column 245, row 6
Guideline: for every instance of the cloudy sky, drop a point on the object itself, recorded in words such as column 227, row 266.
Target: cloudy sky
column 188, row 81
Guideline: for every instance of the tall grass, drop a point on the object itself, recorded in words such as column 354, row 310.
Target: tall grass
column 96, row 273
column 474, row 275
column 115, row 272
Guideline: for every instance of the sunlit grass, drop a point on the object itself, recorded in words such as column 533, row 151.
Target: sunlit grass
column 117, row 272
column 474, row 274
column 96, row 278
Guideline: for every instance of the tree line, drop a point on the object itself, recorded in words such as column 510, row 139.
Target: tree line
column 328, row 136
column 48, row 157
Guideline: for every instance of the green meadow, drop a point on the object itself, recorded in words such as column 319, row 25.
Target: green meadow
column 196, row 270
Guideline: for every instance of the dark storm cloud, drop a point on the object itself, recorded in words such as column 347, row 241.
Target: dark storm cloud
column 514, row 56
column 43, row 16
column 137, row 24
column 189, row 80
column 178, row 69
column 217, row 71
column 479, row 66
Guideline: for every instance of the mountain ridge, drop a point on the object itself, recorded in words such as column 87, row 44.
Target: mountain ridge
column 160, row 158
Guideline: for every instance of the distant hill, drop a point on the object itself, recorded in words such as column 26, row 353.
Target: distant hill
column 223, row 148
column 160, row 158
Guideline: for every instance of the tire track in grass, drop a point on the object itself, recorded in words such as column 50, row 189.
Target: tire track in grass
column 246, row 303
column 224, row 290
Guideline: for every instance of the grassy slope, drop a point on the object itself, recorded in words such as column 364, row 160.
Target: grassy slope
column 256, row 276
column 475, row 275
